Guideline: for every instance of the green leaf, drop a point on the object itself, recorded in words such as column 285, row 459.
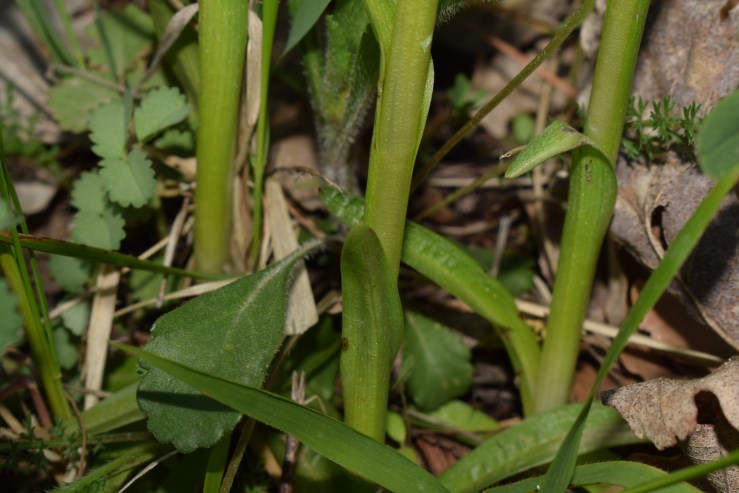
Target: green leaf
column 160, row 108
column 10, row 322
column 462, row 416
column 555, row 139
column 77, row 318
column 70, row 273
column 718, row 145
column 621, row 473
column 98, row 229
column 534, row 442
column 372, row 328
column 66, row 348
column 441, row 362
column 130, row 32
column 109, row 133
column 7, row 219
column 395, row 426
column 232, row 332
column 334, row 440
column 73, row 99
column 129, row 182
column 305, row 17
column 176, row 141
column 453, row 269
column 88, row 193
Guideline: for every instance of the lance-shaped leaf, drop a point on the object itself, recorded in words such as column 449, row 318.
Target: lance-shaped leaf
column 334, row 440
column 232, row 332
column 372, row 327
column 556, row 139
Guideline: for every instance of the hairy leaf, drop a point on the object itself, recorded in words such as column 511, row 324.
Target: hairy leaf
column 441, row 362
column 108, row 124
column 129, row 182
column 305, row 17
column 232, row 332
column 160, row 108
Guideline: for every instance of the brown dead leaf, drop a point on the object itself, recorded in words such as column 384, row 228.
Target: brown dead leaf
column 664, row 410
column 711, row 442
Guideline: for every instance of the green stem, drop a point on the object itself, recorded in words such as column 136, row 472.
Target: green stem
column 395, row 142
column 223, row 34
column 269, row 20
column 562, row 34
column 591, row 198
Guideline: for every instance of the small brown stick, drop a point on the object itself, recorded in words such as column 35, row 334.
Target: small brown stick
column 297, row 393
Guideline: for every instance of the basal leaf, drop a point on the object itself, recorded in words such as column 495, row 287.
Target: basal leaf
column 533, row 442
column 334, row 440
column 98, row 229
column 718, row 145
column 70, row 273
column 372, row 328
column 306, row 15
column 72, row 100
column 555, row 139
column 130, row 182
column 232, row 332
column 109, row 133
column 88, row 192
column 160, row 108
column 441, row 362
column 10, row 322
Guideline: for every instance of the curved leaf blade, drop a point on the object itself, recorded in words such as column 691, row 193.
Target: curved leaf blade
column 334, row 440
column 305, row 17
column 555, row 139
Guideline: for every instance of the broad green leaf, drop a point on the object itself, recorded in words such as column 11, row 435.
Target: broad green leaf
column 621, row 473
column 77, row 318
column 130, row 182
column 233, row 332
column 10, row 322
column 160, row 108
column 73, row 99
column 555, row 139
column 70, row 273
column 560, row 470
column 718, row 144
column 88, row 192
column 372, row 328
column 109, row 133
column 130, row 32
column 98, row 229
column 304, row 18
column 453, row 269
column 441, row 362
column 534, row 442
column 462, row 416
column 334, row 440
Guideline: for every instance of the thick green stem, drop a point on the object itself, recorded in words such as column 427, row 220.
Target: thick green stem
column 396, row 128
column 223, row 33
column 591, row 198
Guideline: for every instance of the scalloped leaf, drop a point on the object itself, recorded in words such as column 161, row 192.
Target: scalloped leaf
column 10, row 322
column 233, row 333
column 73, row 99
column 88, row 192
column 99, row 229
column 129, row 182
column 130, row 32
column 718, row 145
column 69, row 272
column 108, row 124
column 160, row 108
column 555, row 139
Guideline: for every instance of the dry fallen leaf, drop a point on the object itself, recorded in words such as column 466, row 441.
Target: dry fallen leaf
column 664, row 410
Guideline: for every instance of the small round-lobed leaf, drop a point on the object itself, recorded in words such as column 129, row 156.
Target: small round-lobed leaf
column 99, row 229
column 88, row 192
column 161, row 108
column 129, row 182
column 108, row 124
